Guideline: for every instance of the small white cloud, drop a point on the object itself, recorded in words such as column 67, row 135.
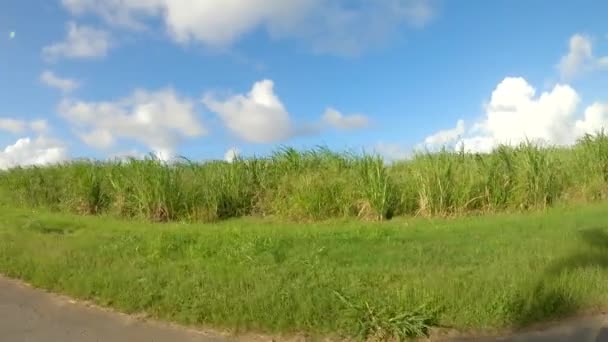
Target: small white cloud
column 100, row 138
column 39, row 126
column 232, row 154
column 348, row 28
column 66, row 85
column 445, row 136
column 328, row 26
column 126, row 155
column 258, row 116
column 580, row 58
column 123, row 13
column 81, row 42
column 335, row 119
column 159, row 119
column 392, row 151
column 165, row 155
column 27, row 152
column 481, row 144
column 515, row 114
column 12, row 125
column 16, row 126
column 580, row 51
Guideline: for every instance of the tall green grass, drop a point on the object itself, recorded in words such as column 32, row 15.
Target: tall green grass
column 319, row 184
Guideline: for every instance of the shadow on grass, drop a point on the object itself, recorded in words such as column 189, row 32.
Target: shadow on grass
column 547, row 301
column 49, row 227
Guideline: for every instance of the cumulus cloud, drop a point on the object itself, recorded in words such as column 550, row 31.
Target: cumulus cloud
column 342, row 27
column 515, row 114
column 158, row 119
column 81, row 42
column 335, row 119
column 27, row 152
column 16, row 126
column 580, row 58
column 66, row 85
column 594, row 120
column 258, row 116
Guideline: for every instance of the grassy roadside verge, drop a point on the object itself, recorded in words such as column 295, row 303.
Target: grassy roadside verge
column 480, row 273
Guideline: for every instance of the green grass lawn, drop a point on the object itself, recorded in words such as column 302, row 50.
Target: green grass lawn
column 340, row 277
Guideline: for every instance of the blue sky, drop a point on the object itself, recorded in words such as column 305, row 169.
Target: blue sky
column 97, row 78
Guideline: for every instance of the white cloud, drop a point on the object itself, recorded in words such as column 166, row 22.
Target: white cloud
column 39, row 126
column 232, row 154
column 127, row 13
column 580, row 58
column 594, row 119
column 159, row 119
column 481, row 144
column 81, row 42
column 165, row 156
column 335, row 119
column 126, row 155
column 100, row 138
column 16, row 126
column 392, row 151
column 351, row 27
column 515, row 114
column 27, row 152
column 445, row 136
column 66, row 85
column 12, row 125
column 258, row 116
column 342, row 27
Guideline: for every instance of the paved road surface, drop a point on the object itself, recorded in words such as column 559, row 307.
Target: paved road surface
column 588, row 329
column 31, row 315
column 584, row 330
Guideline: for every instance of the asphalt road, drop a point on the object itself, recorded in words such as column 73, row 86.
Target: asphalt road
column 582, row 329
column 31, row 315
column 593, row 329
